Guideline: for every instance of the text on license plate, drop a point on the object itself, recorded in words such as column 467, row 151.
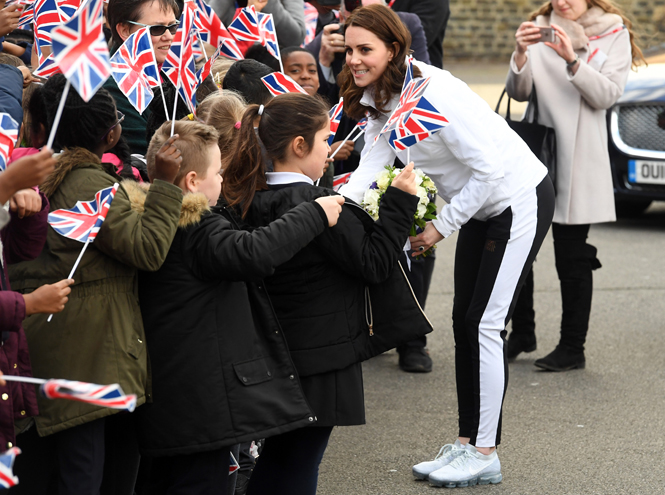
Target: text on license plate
column 644, row 171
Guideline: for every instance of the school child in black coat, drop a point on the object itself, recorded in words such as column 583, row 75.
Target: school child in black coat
column 221, row 371
column 320, row 294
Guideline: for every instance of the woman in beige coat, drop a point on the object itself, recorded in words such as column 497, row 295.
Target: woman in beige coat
column 577, row 79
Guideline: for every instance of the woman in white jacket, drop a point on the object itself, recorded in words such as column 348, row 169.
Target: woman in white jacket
column 577, row 79
column 499, row 198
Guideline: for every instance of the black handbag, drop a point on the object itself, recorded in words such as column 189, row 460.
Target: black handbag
column 540, row 139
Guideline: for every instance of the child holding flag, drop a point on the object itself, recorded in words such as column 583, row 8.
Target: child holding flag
column 99, row 337
column 213, row 338
column 498, row 196
column 320, row 295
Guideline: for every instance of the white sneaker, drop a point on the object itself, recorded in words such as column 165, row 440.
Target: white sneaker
column 468, row 469
column 446, row 455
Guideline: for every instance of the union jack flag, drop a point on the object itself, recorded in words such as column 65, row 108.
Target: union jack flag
column 68, row 8
column 134, row 68
column 212, row 29
column 335, row 114
column 7, row 478
column 311, row 18
column 204, row 71
column 245, row 27
column 423, row 121
column 408, row 100
column 362, row 124
column 46, row 16
column 340, row 180
column 179, row 66
column 8, row 138
column 83, row 221
column 47, row 68
column 279, row 84
column 269, row 35
column 27, row 16
column 230, row 49
column 418, row 123
column 110, row 396
column 80, row 50
column 233, row 464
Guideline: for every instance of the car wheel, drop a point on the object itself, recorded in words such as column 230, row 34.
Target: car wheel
column 627, row 209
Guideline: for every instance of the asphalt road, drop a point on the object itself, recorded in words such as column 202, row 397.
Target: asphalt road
column 595, row 431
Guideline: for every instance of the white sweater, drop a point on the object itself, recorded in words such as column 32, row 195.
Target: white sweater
column 478, row 164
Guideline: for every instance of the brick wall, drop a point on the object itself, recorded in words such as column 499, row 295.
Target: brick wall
column 485, row 29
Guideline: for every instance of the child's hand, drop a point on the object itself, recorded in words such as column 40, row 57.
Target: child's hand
column 332, row 205
column 167, row 161
column 26, row 202
column 27, row 75
column 48, row 299
column 406, row 180
column 28, row 171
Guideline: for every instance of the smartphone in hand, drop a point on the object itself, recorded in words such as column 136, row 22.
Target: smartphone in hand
column 547, row 34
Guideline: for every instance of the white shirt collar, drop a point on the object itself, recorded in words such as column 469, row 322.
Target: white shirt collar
column 277, row 178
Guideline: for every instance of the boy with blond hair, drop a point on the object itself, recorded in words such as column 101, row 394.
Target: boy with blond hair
column 220, row 365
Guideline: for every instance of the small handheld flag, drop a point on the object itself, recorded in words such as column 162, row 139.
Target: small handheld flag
column 80, row 50
column 233, row 464
column 245, row 27
column 230, row 50
column 7, row 478
column 8, row 137
column 47, row 68
column 134, row 69
column 340, row 180
column 180, row 66
column 279, row 84
column 212, row 29
column 110, row 396
column 83, row 221
column 335, row 114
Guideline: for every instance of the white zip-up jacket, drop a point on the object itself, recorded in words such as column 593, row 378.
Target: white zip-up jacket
column 478, row 163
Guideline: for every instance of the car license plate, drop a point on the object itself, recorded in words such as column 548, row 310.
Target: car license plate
column 649, row 172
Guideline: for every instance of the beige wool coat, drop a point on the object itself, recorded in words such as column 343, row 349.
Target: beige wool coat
column 575, row 106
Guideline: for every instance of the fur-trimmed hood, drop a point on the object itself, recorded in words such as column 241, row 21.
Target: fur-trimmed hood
column 194, row 205
column 593, row 22
column 67, row 161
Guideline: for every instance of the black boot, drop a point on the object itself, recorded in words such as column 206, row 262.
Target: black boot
column 523, row 336
column 561, row 359
column 575, row 261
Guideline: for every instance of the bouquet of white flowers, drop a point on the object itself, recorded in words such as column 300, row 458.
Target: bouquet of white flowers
column 426, row 192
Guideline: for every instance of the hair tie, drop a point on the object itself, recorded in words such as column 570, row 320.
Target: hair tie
column 190, row 116
column 238, row 124
column 261, row 110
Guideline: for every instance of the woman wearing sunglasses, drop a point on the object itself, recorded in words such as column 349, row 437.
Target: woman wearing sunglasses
column 125, row 18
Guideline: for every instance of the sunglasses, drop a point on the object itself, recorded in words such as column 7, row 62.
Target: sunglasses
column 158, row 29
column 121, row 118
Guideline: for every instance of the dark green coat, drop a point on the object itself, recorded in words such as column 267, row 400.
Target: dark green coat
column 134, row 125
column 99, row 336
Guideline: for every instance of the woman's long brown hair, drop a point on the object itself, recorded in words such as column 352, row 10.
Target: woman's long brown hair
column 389, row 28
column 284, row 118
column 606, row 5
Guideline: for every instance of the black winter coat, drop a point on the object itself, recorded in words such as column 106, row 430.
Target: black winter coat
column 221, row 370
column 320, row 294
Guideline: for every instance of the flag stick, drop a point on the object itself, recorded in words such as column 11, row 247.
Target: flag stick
column 345, row 140
column 58, row 114
column 203, row 48
column 175, row 100
column 408, row 155
column 76, row 264
column 166, row 109
column 359, row 134
column 24, row 379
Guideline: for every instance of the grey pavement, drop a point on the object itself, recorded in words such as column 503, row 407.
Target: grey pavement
column 595, row 431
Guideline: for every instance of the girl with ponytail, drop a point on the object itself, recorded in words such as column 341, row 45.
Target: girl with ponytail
column 319, row 295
